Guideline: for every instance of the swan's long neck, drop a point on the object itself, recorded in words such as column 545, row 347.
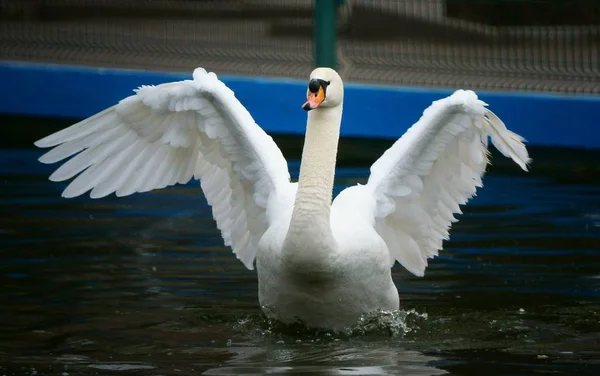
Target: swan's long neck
column 310, row 217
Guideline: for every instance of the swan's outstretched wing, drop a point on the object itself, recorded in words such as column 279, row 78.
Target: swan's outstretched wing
column 419, row 183
column 169, row 133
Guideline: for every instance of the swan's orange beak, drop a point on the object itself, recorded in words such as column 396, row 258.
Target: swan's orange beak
column 316, row 95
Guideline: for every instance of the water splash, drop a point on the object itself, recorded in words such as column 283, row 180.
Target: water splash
column 377, row 323
column 390, row 323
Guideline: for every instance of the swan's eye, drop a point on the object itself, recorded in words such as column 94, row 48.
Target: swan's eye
column 324, row 84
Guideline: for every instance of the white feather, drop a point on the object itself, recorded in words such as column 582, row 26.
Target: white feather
column 169, row 133
column 441, row 160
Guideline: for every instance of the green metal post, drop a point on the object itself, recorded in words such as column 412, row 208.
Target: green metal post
column 325, row 32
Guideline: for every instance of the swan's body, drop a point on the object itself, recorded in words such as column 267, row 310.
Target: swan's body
column 323, row 262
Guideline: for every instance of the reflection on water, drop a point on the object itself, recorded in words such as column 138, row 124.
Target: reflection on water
column 144, row 285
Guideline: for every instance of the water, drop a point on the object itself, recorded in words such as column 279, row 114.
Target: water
column 143, row 285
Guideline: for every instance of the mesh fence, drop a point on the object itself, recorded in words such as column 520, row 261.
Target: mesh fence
column 539, row 45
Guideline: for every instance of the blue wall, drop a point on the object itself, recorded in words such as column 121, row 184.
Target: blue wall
column 369, row 110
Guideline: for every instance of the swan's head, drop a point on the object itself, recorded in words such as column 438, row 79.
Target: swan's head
column 325, row 89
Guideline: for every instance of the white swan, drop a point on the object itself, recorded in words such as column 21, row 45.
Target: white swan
column 322, row 262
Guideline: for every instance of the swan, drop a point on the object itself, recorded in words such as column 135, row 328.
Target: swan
column 320, row 261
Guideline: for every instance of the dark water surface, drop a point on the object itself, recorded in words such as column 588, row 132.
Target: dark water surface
column 143, row 285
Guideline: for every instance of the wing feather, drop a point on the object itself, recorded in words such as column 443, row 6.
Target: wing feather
column 419, row 183
column 168, row 134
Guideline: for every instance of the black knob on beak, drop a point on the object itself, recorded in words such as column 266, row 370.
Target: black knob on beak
column 314, row 85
